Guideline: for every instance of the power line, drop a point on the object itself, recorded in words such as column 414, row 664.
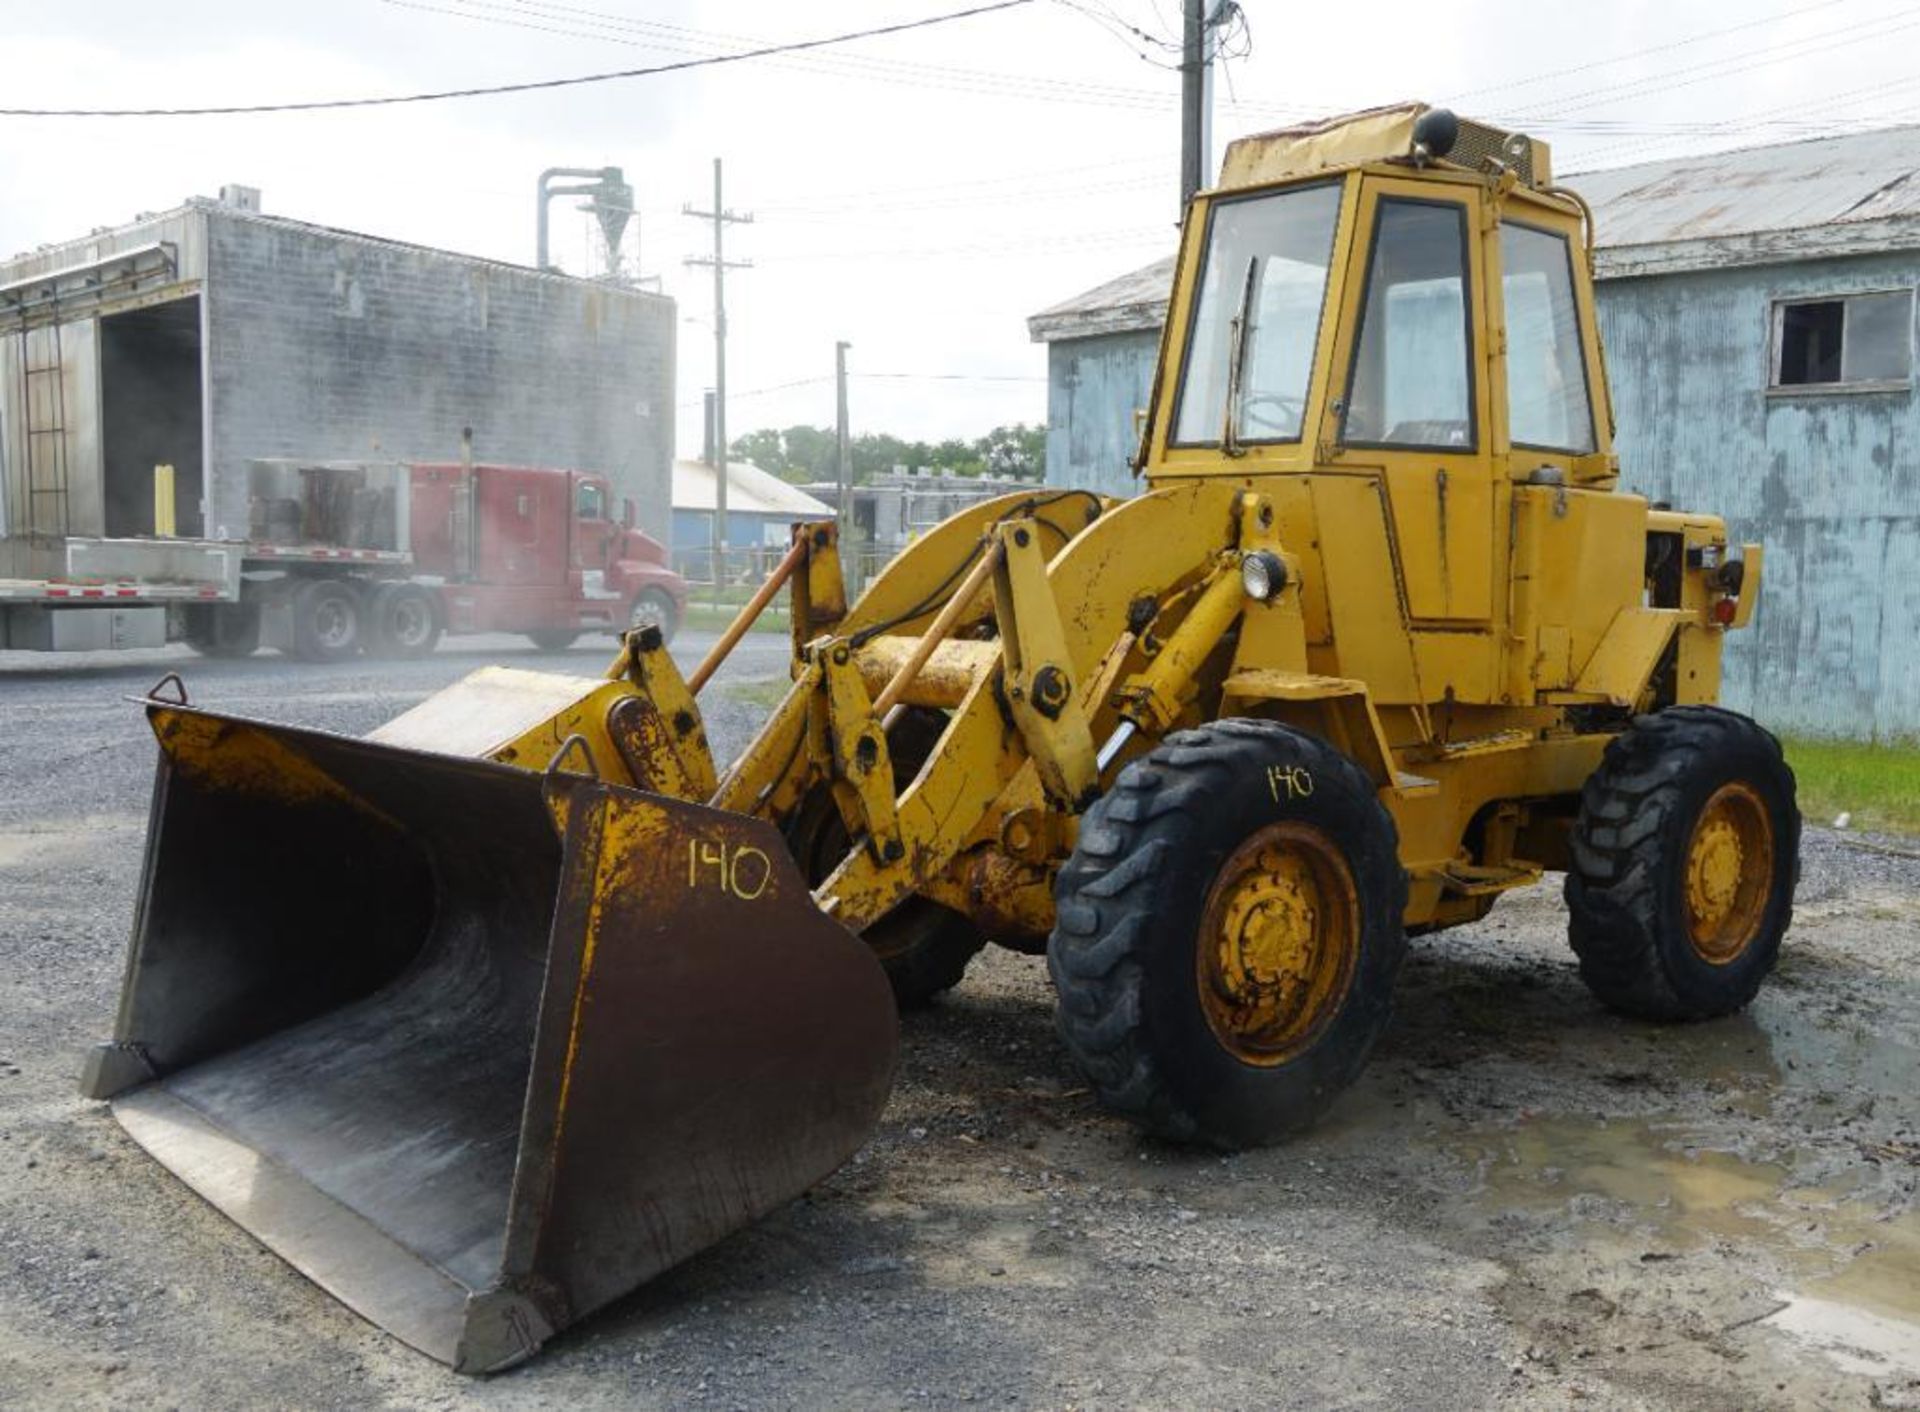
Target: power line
column 1532, row 79
column 528, row 87
column 758, row 391
column 1025, row 196
column 1101, row 239
column 951, row 377
column 1779, row 117
column 889, row 377
column 1121, row 29
column 1744, row 62
column 574, row 22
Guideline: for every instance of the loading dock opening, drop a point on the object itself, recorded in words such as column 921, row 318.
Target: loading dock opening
column 150, row 415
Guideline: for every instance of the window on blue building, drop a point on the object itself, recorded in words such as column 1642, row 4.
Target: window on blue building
column 1861, row 340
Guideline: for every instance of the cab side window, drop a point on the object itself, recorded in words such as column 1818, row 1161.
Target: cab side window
column 1547, row 406
column 1412, row 379
column 590, row 502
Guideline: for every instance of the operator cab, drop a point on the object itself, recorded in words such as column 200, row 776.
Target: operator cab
column 1337, row 299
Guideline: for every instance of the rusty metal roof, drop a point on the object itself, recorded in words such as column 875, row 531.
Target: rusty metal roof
column 1783, row 187
column 1133, row 301
column 1824, row 197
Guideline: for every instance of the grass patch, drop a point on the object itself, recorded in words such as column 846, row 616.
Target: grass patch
column 764, row 695
column 1878, row 784
column 709, row 618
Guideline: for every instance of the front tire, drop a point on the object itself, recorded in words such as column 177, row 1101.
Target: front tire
column 553, row 639
column 1684, row 860
column 653, row 607
column 1228, row 933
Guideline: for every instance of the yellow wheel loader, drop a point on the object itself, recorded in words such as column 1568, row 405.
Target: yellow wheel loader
column 484, row 1019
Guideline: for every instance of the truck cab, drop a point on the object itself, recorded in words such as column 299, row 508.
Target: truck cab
column 537, row 550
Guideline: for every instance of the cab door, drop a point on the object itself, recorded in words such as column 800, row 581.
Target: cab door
column 1415, row 405
column 593, row 528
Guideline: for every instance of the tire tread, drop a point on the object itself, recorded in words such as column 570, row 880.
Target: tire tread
column 1104, row 899
column 1613, row 888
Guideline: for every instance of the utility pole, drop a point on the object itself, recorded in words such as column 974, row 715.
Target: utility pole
column 721, row 218
column 1196, row 100
column 843, row 444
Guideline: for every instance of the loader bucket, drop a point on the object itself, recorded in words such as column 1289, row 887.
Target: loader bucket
column 478, row 1049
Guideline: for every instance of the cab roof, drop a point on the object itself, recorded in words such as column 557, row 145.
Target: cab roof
column 1373, row 135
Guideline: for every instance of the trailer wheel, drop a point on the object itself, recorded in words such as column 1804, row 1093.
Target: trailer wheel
column 1684, row 860
column 223, row 629
column 325, row 621
column 654, row 608
column 553, row 639
column 923, row 946
column 403, row 620
column 1228, row 932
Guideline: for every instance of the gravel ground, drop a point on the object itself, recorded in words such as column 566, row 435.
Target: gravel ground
column 1525, row 1202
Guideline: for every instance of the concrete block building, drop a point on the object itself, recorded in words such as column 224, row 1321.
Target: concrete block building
column 214, row 334
column 1758, row 312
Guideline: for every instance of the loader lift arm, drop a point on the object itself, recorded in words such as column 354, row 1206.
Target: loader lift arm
column 1028, row 649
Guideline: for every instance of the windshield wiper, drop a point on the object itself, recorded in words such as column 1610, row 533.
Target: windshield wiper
column 1237, row 332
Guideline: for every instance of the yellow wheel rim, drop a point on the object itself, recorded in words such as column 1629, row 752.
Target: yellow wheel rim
column 1729, row 873
column 1279, row 939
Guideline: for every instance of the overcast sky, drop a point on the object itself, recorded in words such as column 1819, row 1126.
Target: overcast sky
column 918, row 195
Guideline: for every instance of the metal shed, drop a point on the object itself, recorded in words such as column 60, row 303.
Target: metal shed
column 1758, row 311
column 761, row 509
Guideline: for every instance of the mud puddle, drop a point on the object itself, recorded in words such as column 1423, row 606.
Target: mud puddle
column 1784, row 1211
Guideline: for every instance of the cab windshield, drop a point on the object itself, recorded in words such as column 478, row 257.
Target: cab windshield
column 1262, row 281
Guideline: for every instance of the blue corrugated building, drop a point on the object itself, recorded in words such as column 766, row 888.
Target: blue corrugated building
column 1758, row 313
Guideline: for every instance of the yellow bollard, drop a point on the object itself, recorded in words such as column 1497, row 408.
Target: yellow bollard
column 164, row 524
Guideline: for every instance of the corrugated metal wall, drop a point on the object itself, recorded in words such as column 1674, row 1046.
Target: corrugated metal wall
column 1094, row 385
column 1829, row 483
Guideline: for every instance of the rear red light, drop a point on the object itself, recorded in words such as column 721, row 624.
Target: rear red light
column 1722, row 612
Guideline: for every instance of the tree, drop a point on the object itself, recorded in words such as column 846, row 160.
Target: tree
column 810, row 454
column 957, row 456
column 799, row 454
column 1018, row 450
column 764, row 448
column 876, row 453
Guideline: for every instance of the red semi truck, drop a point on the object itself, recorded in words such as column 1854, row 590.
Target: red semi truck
column 383, row 557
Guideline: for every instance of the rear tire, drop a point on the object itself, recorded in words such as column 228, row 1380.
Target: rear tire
column 553, row 639
column 1684, row 861
column 652, row 607
column 223, row 629
column 1228, row 932
column 326, row 621
column 924, row 947
column 403, row 621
